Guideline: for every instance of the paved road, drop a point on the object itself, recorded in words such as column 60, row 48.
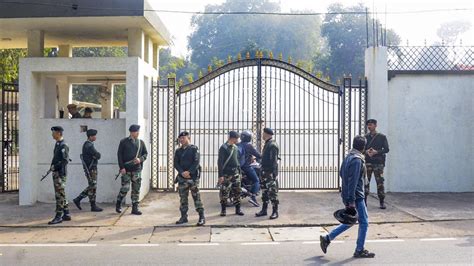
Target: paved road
column 443, row 251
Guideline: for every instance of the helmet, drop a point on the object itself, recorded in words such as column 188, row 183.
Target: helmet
column 246, row 136
column 346, row 216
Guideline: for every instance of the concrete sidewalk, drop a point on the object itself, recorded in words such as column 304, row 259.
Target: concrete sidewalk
column 296, row 209
column 303, row 217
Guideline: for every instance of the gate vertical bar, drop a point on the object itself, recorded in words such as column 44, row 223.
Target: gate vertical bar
column 171, row 131
column 3, row 179
column 259, row 105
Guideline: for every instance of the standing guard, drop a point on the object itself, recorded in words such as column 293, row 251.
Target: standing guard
column 131, row 155
column 229, row 173
column 186, row 162
column 269, row 174
column 89, row 158
column 59, row 169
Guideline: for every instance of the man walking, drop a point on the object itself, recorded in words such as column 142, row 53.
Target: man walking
column 353, row 176
column 375, row 150
column 229, row 173
column 90, row 158
column 131, row 155
column 269, row 183
column 186, row 162
column 59, row 169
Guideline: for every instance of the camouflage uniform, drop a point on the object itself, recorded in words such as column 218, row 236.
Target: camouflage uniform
column 90, row 157
column 376, row 163
column 59, row 168
column 229, row 168
column 187, row 159
column 136, row 180
column 270, row 172
column 130, row 149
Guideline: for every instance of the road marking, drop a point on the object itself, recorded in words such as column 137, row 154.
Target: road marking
column 438, row 239
column 384, row 240
column 317, row 242
column 140, row 245
column 259, row 243
column 48, row 245
column 198, row 244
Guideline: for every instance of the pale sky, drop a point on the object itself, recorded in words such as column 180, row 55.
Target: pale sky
column 416, row 28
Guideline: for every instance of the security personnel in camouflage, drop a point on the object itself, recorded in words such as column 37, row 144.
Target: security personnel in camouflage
column 186, row 162
column 269, row 182
column 131, row 155
column 229, row 173
column 375, row 150
column 90, row 158
column 59, row 169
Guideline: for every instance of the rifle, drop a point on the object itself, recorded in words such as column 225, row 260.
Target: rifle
column 45, row 175
column 120, row 174
column 86, row 169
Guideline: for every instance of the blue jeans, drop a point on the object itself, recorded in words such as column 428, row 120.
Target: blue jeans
column 252, row 176
column 363, row 225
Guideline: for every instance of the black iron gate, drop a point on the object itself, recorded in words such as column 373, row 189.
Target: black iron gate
column 314, row 120
column 10, row 149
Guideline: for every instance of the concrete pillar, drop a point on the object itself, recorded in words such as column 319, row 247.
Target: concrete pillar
column 50, row 97
column 65, row 50
column 148, row 50
column 107, row 101
column 35, row 43
column 156, row 56
column 65, row 93
column 376, row 72
column 136, row 42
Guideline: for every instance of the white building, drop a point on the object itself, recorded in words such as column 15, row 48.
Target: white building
column 46, row 84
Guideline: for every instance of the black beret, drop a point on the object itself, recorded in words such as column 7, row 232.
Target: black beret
column 182, row 134
column 372, row 121
column 91, row 132
column 88, row 110
column 134, row 128
column 269, row 131
column 234, row 134
column 57, row 128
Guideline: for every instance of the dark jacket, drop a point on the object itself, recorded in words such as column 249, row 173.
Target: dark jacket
column 90, row 155
column 76, row 115
column 270, row 157
column 379, row 143
column 353, row 177
column 60, row 158
column 247, row 151
column 232, row 167
column 127, row 152
column 187, row 159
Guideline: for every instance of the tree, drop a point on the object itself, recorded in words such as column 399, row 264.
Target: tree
column 346, row 38
column 9, row 64
column 449, row 32
column 218, row 36
column 172, row 66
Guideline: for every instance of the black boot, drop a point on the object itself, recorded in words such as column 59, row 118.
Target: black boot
column 183, row 219
column 118, row 206
column 223, row 211
column 77, row 201
column 135, row 209
column 238, row 211
column 66, row 215
column 263, row 212
column 201, row 220
column 94, row 207
column 382, row 205
column 57, row 219
column 274, row 212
